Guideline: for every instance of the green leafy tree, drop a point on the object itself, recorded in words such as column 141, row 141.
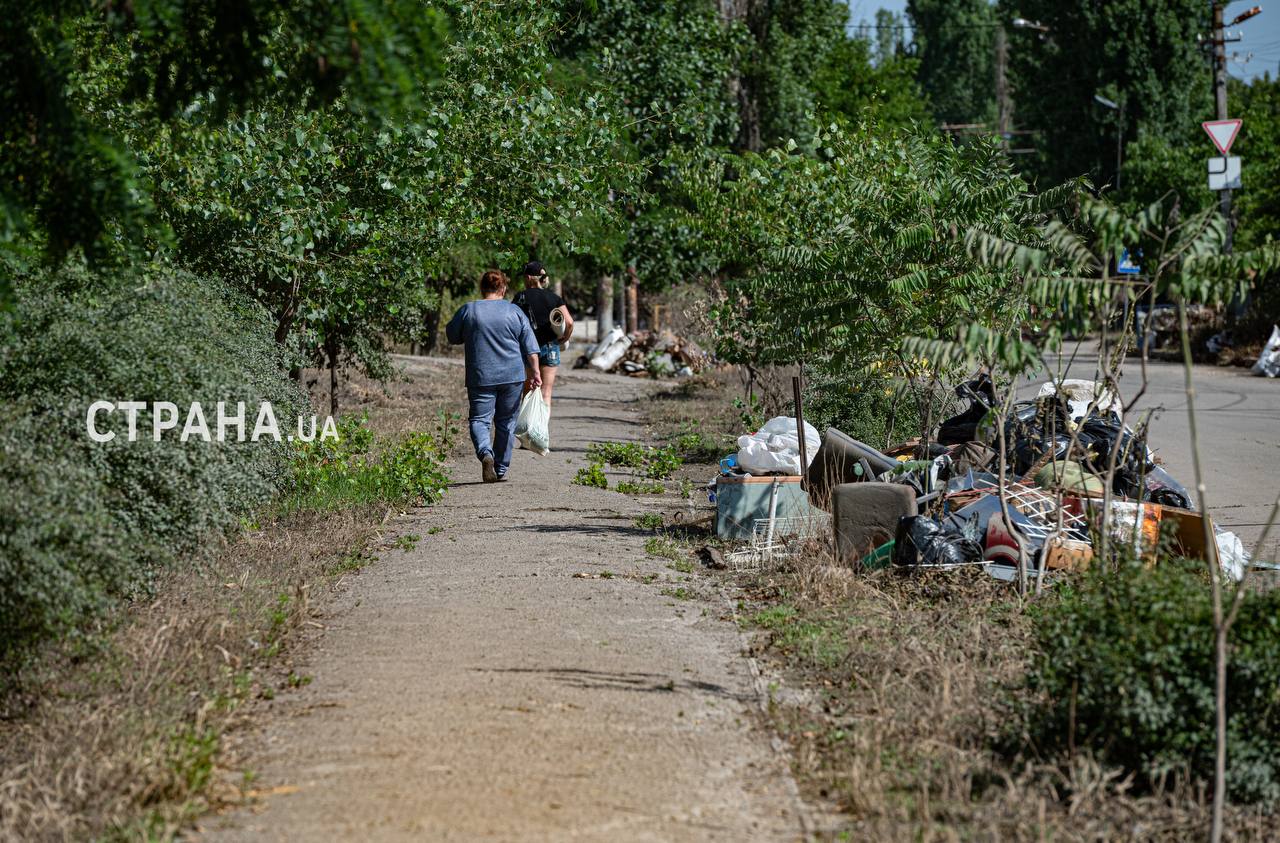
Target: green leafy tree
column 954, row 42
column 664, row 68
column 787, row 40
column 340, row 226
column 848, row 84
column 72, row 178
column 889, row 36
column 1159, row 166
column 833, row 259
column 1141, row 54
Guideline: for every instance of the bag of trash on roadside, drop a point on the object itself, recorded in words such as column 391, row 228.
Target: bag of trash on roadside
column 533, row 425
column 610, row 349
column 921, row 541
column 776, row 448
column 1269, row 360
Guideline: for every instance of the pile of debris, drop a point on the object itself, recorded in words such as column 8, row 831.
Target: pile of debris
column 646, row 354
column 1158, row 328
column 941, row 505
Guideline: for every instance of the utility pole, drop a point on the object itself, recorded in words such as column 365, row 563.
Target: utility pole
column 1003, row 105
column 1220, row 99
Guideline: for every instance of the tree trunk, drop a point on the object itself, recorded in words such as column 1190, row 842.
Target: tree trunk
column 622, row 305
column 604, row 306
column 284, row 322
column 432, row 332
column 742, row 86
column 633, row 301
column 331, row 351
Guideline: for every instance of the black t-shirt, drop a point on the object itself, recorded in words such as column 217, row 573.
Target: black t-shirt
column 537, row 304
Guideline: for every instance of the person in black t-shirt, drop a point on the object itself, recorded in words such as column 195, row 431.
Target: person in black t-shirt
column 538, row 303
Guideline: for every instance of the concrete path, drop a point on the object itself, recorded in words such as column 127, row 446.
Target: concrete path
column 496, row 683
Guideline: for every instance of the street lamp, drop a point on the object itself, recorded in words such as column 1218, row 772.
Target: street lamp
column 1004, row 108
column 1023, row 23
column 1106, row 103
column 1245, row 15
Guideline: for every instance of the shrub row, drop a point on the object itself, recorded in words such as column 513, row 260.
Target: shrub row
column 331, row 474
column 1124, row 666
column 83, row 523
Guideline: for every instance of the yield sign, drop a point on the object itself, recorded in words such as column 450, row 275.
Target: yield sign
column 1222, row 133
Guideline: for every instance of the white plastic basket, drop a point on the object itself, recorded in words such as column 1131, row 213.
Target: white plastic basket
column 775, row 539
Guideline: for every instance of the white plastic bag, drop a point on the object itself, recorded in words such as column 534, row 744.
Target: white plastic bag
column 533, row 425
column 1232, row 557
column 610, row 349
column 1269, row 360
column 1079, row 394
column 776, row 448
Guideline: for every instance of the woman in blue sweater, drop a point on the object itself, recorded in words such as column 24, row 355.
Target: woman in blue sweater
column 502, row 358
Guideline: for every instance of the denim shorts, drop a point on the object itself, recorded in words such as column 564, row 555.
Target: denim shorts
column 549, row 354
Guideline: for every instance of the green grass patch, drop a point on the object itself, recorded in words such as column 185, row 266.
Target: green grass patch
column 701, row 449
column 819, row 639
column 649, row 521
column 627, row 487
column 333, row 474
column 648, row 462
column 664, row 547
column 592, row 476
column 350, row 562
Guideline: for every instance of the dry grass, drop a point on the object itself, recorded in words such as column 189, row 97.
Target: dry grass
column 905, row 687
column 123, row 736
column 896, row 694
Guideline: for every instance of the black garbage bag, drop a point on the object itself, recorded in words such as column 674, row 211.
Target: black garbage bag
column 1098, row 436
column 920, row 540
column 1027, row 451
column 1029, row 440
column 1036, row 428
column 1160, row 487
column 964, row 427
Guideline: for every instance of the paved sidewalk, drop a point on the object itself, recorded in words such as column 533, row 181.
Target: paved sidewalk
column 480, row 687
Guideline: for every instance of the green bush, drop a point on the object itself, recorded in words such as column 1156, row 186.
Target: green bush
column 592, row 475
column 84, row 523
column 1127, row 656
column 63, row 553
column 334, row 473
column 653, row 463
column 865, row 407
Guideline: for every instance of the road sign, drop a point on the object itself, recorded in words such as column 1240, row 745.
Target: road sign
column 1222, row 133
column 1224, row 173
column 1126, row 266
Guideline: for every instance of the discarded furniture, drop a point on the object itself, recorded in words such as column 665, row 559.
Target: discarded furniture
column 865, row 515
column 842, row 459
column 742, row 500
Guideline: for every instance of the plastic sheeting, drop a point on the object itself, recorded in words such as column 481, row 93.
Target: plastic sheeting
column 775, row 448
column 1269, row 360
column 610, row 350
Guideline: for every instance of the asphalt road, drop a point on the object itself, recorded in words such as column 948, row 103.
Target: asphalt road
column 1238, row 417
